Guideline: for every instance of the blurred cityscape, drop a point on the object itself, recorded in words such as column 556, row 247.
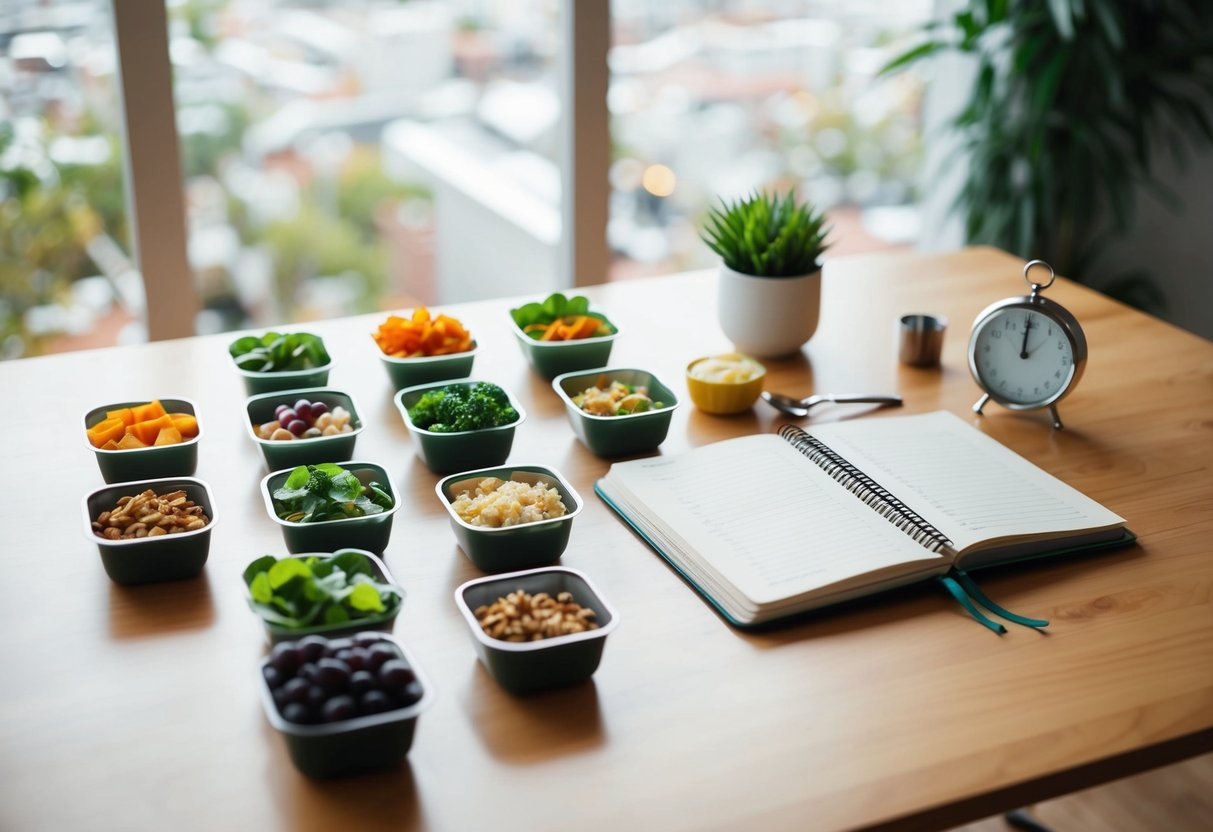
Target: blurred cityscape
column 343, row 157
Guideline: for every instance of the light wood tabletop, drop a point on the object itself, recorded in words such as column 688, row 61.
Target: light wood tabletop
column 132, row 708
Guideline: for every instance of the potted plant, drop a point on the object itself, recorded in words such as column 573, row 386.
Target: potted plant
column 770, row 274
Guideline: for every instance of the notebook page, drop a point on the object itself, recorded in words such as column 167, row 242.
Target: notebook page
column 764, row 518
column 966, row 484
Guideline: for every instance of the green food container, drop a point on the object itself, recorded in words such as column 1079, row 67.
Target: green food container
column 551, row 358
column 612, row 436
column 294, row 452
column 446, row 453
column 375, row 742
column 409, row 372
column 370, row 532
column 529, row 666
column 180, row 460
column 255, row 382
column 512, row 547
column 144, row 560
column 384, row 622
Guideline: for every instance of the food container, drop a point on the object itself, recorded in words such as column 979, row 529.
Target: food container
column 255, row 383
column 512, row 547
column 445, row 453
column 374, row 742
column 724, row 396
column 289, row 453
column 370, row 532
column 264, row 382
column 142, row 560
column 383, row 622
column 528, row 666
column 178, row 460
column 410, row 372
column 551, row 358
column 612, row 436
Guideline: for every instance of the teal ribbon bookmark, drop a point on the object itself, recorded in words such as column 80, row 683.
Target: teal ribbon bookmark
column 980, row 597
column 959, row 594
column 965, row 590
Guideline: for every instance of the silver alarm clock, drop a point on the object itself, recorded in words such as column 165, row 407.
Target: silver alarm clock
column 1027, row 352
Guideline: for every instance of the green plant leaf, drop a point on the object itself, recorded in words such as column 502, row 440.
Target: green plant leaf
column 365, row 598
column 336, row 614
column 260, row 589
column 284, row 570
column 1063, row 19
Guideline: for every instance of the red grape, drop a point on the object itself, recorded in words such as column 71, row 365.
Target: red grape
column 297, row 426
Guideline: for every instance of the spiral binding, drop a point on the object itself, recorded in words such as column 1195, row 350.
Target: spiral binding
column 865, row 488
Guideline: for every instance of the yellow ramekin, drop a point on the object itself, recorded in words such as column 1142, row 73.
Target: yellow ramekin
column 724, row 397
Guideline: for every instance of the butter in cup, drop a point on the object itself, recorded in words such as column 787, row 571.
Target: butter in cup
column 725, row 384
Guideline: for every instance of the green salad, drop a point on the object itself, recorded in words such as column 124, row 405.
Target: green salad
column 316, row 493
column 319, row 590
column 275, row 352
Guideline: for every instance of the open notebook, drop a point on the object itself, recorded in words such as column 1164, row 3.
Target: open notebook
column 771, row 525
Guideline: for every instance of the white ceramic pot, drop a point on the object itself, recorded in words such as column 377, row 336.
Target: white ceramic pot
column 768, row 317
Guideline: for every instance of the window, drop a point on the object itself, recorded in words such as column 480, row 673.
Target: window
column 715, row 99
column 66, row 278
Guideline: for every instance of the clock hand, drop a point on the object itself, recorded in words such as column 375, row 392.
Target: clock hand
column 1023, row 350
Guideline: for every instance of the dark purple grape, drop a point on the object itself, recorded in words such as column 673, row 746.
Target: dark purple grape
column 316, row 697
column 312, row 647
column 366, row 638
column 318, row 408
column 278, row 410
column 294, row 712
column 286, row 417
column 395, row 674
column 336, row 645
column 356, row 658
column 280, row 698
column 374, row 702
column 273, row 676
column 332, row 674
column 411, row 694
column 296, row 690
column 307, row 671
column 286, row 658
column 303, row 409
column 380, row 653
column 362, row 681
column 297, row 426
column 339, row 708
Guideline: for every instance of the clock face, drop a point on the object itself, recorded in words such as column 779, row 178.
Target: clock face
column 1022, row 357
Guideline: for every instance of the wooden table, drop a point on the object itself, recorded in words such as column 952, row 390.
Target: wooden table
column 137, row 708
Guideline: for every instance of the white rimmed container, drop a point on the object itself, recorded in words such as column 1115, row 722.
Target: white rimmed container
column 528, row 666
column 523, row 546
column 289, row 453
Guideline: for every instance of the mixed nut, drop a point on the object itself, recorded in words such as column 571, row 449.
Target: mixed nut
column 521, row 616
column 150, row 515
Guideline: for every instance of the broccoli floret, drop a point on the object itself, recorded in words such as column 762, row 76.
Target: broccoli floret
column 460, row 408
column 426, row 411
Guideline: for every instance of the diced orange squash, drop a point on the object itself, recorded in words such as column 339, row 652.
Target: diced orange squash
column 147, row 430
column 147, row 412
column 110, row 446
column 105, row 430
column 186, row 424
column 129, row 442
column 168, row 436
column 125, row 414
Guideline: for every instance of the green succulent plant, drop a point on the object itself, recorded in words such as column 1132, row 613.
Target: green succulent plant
column 767, row 235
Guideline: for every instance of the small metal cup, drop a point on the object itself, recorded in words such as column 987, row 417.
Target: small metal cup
column 921, row 339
